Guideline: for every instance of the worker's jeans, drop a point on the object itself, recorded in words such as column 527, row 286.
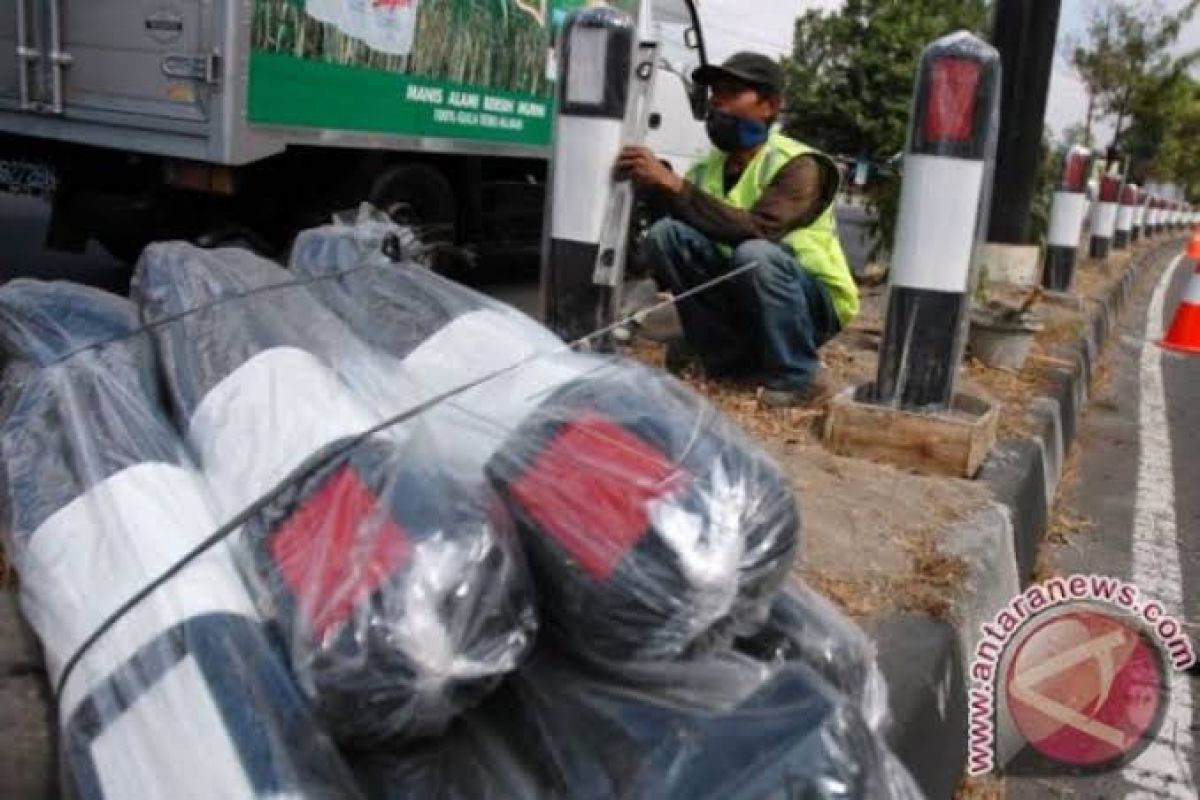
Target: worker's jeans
column 765, row 324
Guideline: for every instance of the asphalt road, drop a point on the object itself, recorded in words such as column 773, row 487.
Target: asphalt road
column 23, row 223
column 1139, row 488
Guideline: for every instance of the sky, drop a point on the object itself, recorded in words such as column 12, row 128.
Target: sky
column 766, row 26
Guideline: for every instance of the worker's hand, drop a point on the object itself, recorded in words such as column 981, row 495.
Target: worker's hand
column 642, row 166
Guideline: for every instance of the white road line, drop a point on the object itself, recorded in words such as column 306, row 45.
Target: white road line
column 1163, row 770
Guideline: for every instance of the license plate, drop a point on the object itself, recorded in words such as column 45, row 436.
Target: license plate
column 27, row 177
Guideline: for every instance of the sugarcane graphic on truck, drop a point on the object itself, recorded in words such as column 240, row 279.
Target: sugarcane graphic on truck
column 471, row 69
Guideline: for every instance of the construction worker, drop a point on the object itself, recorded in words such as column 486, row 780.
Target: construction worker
column 760, row 201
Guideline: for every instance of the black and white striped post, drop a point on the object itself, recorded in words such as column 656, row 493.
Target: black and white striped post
column 1067, row 213
column 595, row 63
column 944, row 197
column 1154, row 217
column 1125, row 217
column 1104, row 223
column 1139, row 217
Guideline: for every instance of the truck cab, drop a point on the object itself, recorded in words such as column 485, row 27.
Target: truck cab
column 260, row 117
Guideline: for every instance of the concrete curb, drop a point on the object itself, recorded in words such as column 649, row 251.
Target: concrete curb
column 926, row 661
column 1024, row 474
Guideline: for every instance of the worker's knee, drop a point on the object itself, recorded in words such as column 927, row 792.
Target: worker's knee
column 761, row 252
column 772, row 266
column 669, row 236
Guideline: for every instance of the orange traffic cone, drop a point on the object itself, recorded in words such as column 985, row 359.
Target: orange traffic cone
column 1184, row 335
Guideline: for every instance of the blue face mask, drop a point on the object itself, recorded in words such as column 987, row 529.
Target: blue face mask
column 729, row 132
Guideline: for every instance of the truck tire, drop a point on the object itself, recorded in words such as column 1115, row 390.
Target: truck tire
column 420, row 196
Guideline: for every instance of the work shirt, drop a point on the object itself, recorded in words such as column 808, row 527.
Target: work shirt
column 794, row 199
column 785, row 194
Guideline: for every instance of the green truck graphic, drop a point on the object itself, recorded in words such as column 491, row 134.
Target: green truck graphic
column 465, row 69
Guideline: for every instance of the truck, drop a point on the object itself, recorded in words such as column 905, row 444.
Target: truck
column 253, row 119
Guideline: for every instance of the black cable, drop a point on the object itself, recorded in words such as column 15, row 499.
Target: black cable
column 240, row 519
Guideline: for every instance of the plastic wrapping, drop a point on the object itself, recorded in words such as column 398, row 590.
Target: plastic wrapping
column 487, row 365
column 185, row 695
column 397, row 585
column 805, row 627
column 721, row 728
column 653, row 526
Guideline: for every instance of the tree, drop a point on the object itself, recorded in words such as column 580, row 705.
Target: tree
column 1126, row 56
column 1077, row 134
column 1153, row 118
column 1176, row 160
column 850, row 79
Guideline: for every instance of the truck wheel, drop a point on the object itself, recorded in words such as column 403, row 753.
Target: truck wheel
column 421, row 197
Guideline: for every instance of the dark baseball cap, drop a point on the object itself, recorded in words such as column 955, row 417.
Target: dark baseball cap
column 752, row 69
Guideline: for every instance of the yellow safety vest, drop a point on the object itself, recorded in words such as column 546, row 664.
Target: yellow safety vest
column 816, row 247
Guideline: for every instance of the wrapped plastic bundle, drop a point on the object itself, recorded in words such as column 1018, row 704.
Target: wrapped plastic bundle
column 440, row 337
column 653, row 526
column 395, row 312
column 184, row 695
column 397, row 586
column 721, row 728
column 654, row 529
column 805, row 627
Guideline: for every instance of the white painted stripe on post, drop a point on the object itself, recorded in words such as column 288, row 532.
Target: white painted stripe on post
column 103, row 547
column 1066, row 219
column 179, row 755
column 1163, row 770
column 250, row 432
column 585, row 149
column 1125, row 219
column 935, row 232
column 1106, row 221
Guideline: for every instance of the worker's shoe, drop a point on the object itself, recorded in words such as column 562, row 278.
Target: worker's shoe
column 817, row 394
column 682, row 360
